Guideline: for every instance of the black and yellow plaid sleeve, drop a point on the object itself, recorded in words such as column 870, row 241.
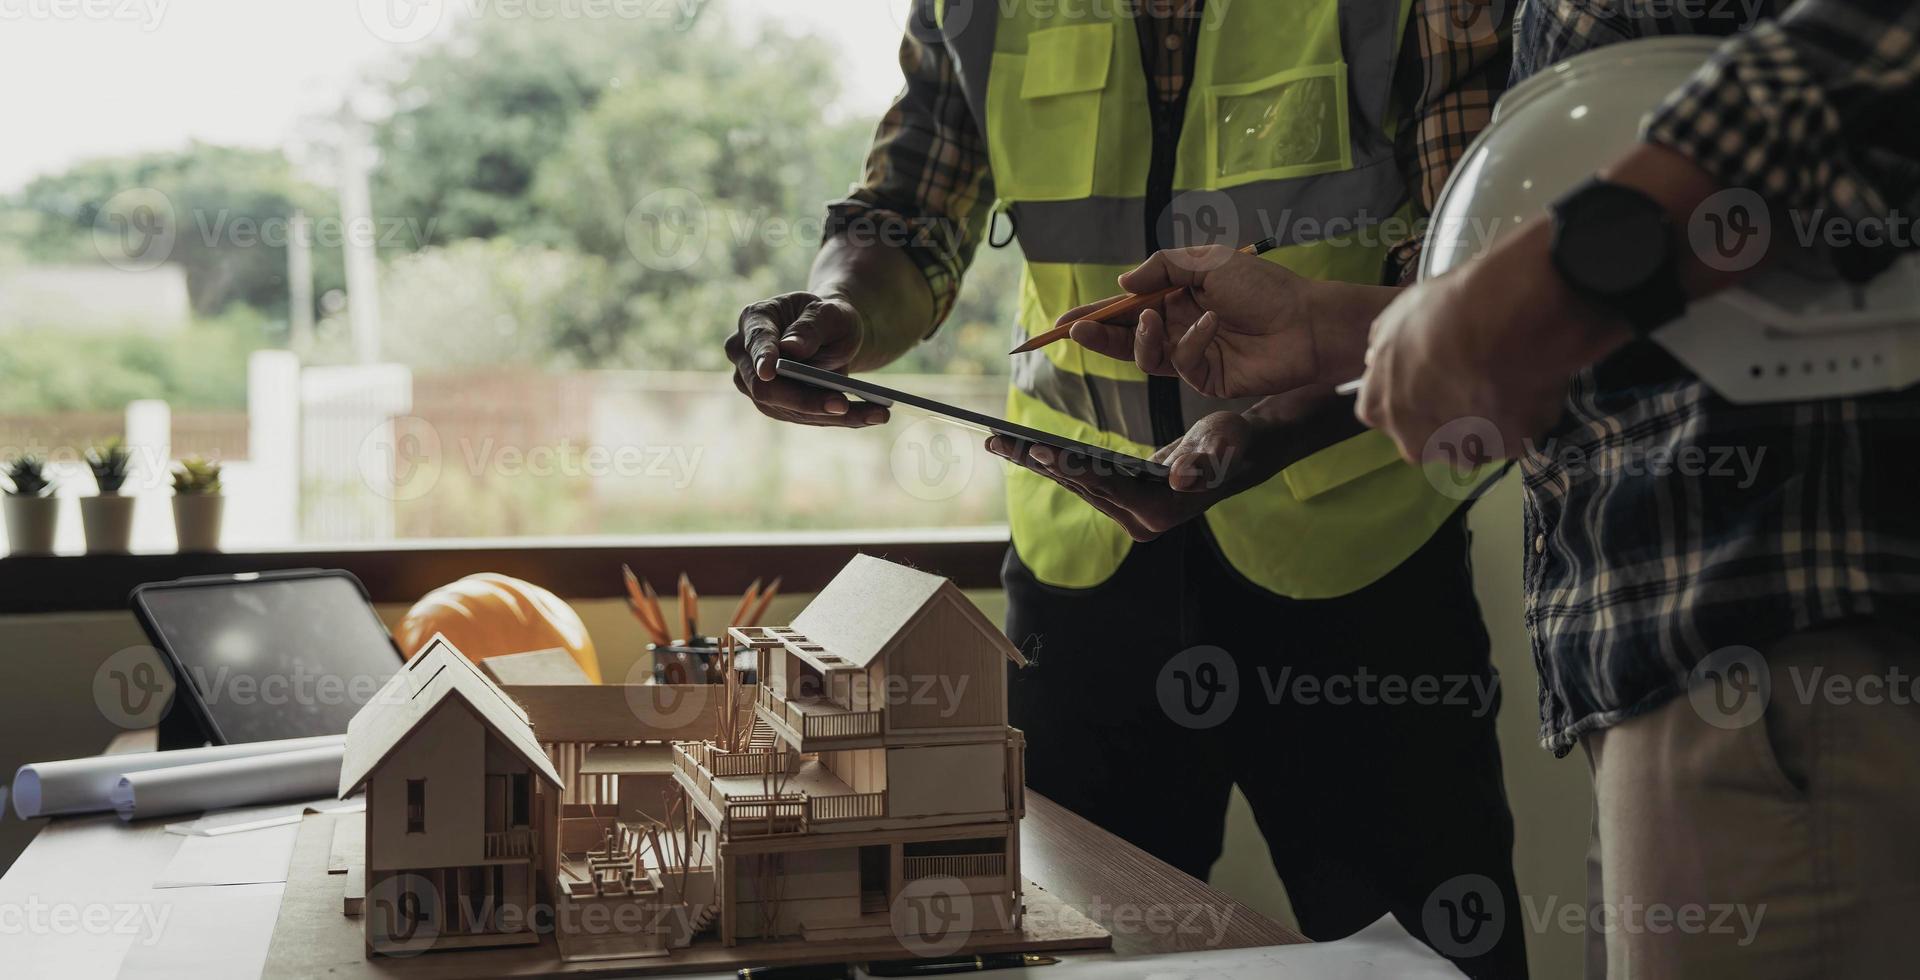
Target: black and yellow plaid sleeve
column 928, row 185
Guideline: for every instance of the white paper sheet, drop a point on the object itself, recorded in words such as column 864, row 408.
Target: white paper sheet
column 209, row 934
column 302, row 774
column 240, row 820
column 1382, row 951
column 45, row 789
column 233, row 859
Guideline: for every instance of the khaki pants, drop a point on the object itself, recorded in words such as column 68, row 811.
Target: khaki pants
column 1747, row 834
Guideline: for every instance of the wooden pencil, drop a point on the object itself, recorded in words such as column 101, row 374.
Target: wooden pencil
column 766, row 599
column 746, row 603
column 637, row 601
column 1126, row 305
column 689, row 608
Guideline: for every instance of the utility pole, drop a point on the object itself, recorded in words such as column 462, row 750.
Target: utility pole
column 300, row 286
column 361, row 238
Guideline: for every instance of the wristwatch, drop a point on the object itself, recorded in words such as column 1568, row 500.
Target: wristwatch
column 1616, row 249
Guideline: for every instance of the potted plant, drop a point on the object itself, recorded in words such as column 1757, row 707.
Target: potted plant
column 32, row 511
column 197, row 504
column 107, row 517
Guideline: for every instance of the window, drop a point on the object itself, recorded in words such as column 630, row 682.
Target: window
column 416, row 806
column 522, row 800
column 875, row 877
column 469, row 276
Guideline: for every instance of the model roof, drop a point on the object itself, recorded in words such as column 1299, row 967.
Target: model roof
column 872, row 602
column 439, row 674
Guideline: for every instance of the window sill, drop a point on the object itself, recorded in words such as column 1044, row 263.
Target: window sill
column 574, row 568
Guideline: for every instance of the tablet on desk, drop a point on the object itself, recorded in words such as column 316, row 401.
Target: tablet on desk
column 888, row 397
column 267, row 655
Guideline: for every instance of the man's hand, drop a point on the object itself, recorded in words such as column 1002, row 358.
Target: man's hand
column 1242, row 327
column 1491, row 345
column 823, row 331
column 1222, row 455
column 1204, row 463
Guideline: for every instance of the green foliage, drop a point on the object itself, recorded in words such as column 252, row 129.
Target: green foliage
column 227, row 209
column 196, row 475
column 478, row 303
column 520, row 154
column 204, row 367
column 26, row 477
column 109, row 460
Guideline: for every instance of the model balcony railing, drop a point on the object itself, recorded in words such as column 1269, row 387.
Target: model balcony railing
column 783, row 813
column 858, row 806
column 508, row 843
column 836, row 722
column 954, row 866
column 747, row 763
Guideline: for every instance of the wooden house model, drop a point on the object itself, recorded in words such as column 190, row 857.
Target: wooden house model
column 461, row 808
column 858, row 784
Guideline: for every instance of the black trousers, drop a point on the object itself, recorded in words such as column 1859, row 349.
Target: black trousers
column 1360, row 728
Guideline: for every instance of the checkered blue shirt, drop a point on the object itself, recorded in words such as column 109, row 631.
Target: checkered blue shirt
column 1664, row 523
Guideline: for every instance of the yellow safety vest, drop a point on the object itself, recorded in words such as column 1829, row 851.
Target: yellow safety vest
column 1287, row 134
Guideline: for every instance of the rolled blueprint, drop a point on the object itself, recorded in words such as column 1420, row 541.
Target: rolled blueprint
column 47, row 789
column 303, row 775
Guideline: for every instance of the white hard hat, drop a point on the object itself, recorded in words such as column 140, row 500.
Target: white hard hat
column 1792, row 331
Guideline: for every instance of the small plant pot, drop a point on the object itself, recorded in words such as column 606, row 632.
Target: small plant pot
column 108, row 521
column 196, row 521
column 30, row 524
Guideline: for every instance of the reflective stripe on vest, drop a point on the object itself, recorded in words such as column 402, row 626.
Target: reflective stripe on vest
column 1287, row 135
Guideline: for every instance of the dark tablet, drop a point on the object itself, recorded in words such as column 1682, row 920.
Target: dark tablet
column 269, row 655
column 888, row 397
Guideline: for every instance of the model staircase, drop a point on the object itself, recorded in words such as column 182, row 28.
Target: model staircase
column 704, row 917
column 761, row 737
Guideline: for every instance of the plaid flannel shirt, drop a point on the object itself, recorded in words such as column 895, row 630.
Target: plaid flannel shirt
column 928, row 182
column 1664, row 523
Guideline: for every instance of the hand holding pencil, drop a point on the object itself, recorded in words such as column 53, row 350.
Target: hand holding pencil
column 1125, row 307
column 1232, row 325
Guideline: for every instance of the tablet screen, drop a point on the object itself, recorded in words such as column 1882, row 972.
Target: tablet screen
column 268, row 658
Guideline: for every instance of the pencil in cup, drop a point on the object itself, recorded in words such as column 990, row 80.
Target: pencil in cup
column 1127, row 305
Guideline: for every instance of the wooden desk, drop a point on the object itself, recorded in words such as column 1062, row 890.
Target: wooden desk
column 97, row 862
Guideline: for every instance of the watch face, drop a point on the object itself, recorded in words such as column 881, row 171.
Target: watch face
column 1611, row 240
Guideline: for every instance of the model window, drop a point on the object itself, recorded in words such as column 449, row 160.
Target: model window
column 416, row 806
column 522, row 800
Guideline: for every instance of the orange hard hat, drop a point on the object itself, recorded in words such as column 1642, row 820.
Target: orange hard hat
column 490, row 615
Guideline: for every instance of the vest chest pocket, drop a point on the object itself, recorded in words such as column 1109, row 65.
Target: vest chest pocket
column 1293, row 124
column 1044, row 113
